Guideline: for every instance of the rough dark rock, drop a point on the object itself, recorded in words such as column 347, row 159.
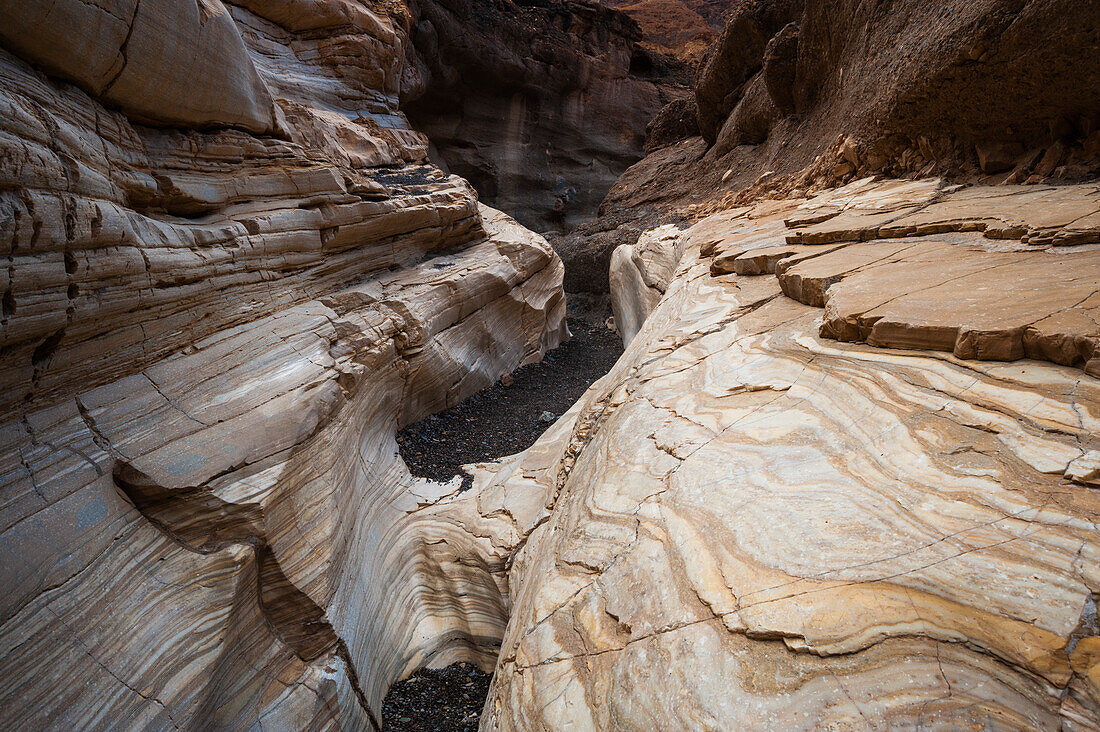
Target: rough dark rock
column 676, row 121
column 797, row 96
column 1004, row 74
column 737, row 57
column 676, row 28
column 780, row 65
column 751, row 120
column 636, row 202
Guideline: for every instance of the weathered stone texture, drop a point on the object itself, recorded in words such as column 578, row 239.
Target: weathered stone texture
column 211, row 332
column 756, row 526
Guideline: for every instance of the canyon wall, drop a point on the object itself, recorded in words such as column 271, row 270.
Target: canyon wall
column 539, row 105
column 801, row 95
column 846, row 473
column 229, row 277
column 845, row 476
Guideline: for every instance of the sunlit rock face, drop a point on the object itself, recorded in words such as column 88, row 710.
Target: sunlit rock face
column 839, row 485
column 229, row 277
column 640, row 275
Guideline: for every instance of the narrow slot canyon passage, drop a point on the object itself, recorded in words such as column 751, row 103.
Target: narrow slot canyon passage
column 496, row 422
column 315, row 410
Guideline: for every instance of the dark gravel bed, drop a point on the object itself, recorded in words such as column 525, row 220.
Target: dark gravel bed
column 437, row 700
column 503, row 420
column 498, row 421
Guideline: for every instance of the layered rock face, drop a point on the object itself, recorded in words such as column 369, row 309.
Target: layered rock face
column 881, row 514
column 541, row 106
column 211, row 331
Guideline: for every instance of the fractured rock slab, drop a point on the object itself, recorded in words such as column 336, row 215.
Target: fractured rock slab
column 870, row 209
column 756, row 527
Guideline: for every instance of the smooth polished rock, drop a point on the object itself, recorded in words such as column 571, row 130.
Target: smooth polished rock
column 258, row 464
column 749, row 525
column 210, row 335
column 640, row 274
column 145, row 56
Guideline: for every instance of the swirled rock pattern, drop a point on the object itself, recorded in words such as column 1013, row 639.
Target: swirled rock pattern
column 210, row 333
column 640, row 274
column 749, row 524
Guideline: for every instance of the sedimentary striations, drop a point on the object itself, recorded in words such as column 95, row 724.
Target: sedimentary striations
column 229, row 276
column 878, row 515
column 845, row 475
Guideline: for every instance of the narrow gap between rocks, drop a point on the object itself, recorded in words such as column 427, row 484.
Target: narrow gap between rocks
column 502, row 420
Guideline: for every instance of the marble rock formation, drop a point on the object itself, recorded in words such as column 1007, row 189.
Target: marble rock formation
column 640, row 275
column 760, row 520
column 846, row 473
column 228, row 278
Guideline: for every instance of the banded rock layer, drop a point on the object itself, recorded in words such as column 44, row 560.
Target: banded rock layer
column 754, row 525
column 210, row 334
column 539, row 105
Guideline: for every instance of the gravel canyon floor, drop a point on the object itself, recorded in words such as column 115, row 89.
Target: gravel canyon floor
column 293, row 435
column 510, row 415
column 494, row 423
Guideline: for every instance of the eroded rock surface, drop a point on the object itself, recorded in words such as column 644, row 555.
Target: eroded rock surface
column 211, row 332
column 800, row 96
column 750, row 524
column 845, row 474
column 640, row 275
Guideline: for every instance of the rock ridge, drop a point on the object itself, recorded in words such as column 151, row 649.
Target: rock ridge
column 819, row 532
column 221, row 300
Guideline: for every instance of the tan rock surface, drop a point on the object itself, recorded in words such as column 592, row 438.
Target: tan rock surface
column 983, row 297
column 757, row 527
column 208, row 341
column 211, row 331
column 146, row 56
column 262, row 456
column 868, row 209
column 978, row 304
column 640, row 274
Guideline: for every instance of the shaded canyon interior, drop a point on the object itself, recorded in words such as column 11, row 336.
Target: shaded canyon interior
column 845, row 475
